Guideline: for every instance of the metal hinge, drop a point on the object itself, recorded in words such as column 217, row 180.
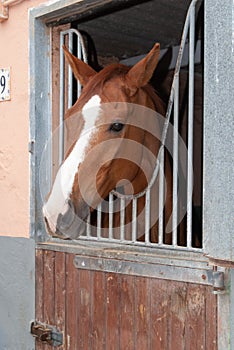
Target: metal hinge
column 31, row 145
column 218, row 281
column 46, row 334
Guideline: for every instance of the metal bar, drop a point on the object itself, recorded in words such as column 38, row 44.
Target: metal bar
column 147, row 216
column 122, row 219
column 70, row 78
column 111, row 207
column 99, row 220
column 134, row 220
column 61, row 103
column 88, row 227
column 161, row 198
column 79, row 55
column 141, row 244
column 190, row 126
column 137, row 268
column 175, row 162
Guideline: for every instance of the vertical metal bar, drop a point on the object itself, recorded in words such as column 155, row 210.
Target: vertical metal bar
column 147, row 216
column 70, row 79
column 175, row 161
column 134, row 219
column 111, row 207
column 61, row 102
column 88, row 227
column 190, row 127
column 122, row 219
column 99, row 220
column 79, row 55
column 80, row 51
column 161, row 198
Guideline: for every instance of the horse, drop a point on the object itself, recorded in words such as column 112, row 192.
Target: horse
column 107, row 150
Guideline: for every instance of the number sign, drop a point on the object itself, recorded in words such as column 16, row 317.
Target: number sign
column 5, row 93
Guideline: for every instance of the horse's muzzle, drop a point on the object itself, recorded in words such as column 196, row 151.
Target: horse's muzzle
column 71, row 225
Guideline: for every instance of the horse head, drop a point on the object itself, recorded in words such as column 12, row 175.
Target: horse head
column 104, row 143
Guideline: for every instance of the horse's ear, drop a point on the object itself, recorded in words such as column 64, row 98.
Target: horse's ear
column 140, row 74
column 82, row 71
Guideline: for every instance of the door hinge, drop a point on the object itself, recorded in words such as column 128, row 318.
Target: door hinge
column 218, row 281
column 46, row 334
column 31, row 145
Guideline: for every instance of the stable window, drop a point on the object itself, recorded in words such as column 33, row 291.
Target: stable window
column 159, row 278
column 97, row 37
column 133, row 37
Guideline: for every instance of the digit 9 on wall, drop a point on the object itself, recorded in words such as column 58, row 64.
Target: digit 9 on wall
column 5, row 91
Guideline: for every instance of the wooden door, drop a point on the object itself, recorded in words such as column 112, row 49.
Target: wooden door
column 114, row 311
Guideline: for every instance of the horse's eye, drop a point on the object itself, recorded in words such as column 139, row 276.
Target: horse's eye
column 116, row 127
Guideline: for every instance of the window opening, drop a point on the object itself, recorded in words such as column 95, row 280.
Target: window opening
column 73, row 38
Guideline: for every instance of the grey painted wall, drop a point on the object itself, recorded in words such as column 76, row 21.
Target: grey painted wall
column 17, row 293
column 219, row 130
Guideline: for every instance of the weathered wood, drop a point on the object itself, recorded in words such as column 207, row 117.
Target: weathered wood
column 142, row 312
column 127, row 312
column 98, row 316
column 39, row 285
column 84, row 305
column 195, row 318
column 160, row 305
column 113, row 311
column 99, row 310
column 177, row 316
column 211, row 320
column 39, row 291
column 49, row 290
column 71, row 316
column 60, row 292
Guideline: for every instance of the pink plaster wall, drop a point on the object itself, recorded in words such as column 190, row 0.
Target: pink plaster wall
column 14, row 123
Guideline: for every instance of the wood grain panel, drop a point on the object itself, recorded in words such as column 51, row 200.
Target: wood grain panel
column 98, row 316
column 211, row 320
column 99, row 310
column 113, row 311
column 127, row 312
column 160, row 306
column 39, row 297
column 85, row 305
column 49, row 290
column 60, row 293
column 142, row 312
column 71, row 316
column 195, row 318
column 177, row 315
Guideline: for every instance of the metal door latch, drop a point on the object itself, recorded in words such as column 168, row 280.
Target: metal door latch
column 46, row 334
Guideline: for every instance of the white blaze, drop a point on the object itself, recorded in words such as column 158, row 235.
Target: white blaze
column 61, row 191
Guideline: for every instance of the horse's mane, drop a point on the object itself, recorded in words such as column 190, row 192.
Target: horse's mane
column 107, row 73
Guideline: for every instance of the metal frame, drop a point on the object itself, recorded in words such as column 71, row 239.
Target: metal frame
column 173, row 104
column 218, row 134
column 40, row 110
column 218, row 193
column 40, row 129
